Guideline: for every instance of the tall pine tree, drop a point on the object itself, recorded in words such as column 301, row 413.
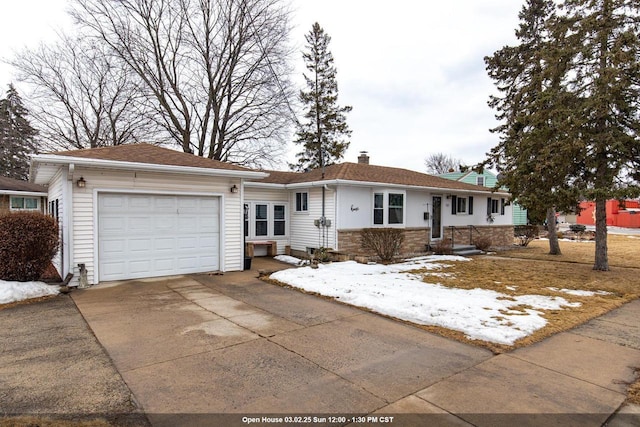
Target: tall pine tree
column 324, row 133
column 529, row 107
column 569, row 106
column 604, row 80
column 17, row 136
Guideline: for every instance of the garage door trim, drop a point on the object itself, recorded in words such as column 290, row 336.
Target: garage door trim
column 96, row 227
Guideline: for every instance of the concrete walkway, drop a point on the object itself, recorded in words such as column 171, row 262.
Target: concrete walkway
column 194, row 348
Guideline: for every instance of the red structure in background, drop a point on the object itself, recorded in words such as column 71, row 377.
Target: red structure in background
column 625, row 213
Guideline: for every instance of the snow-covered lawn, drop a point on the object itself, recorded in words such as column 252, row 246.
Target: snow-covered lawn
column 399, row 290
column 18, row 291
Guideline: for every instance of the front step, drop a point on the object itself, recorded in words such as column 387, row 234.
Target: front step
column 466, row 250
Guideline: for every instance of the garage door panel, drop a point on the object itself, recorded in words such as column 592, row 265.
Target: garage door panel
column 112, row 270
column 111, row 202
column 140, row 203
column 113, row 225
column 210, row 205
column 140, row 245
column 209, row 224
column 139, row 266
column 113, row 247
column 157, row 235
column 210, row 243
column 164, row 244
column 164, row 222
column 139, row 225
column 165, row 203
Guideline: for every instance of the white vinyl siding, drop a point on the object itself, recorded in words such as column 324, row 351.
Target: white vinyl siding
column 85, row 210
column 304, row 234
column 54, row 197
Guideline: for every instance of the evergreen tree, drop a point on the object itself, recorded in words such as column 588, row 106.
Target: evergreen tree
column 605, row 84
column 529, row 108
column 569, row 107
column 323, row 135
column 17, row 136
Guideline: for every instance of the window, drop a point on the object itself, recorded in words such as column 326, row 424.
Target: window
column 391, row 204
column 480, row 181
column 265, row 220
column 246, row 220
column 461, row 205
column 24, row 203
column 262, row 221
column 396, row 208
column 302, row 202
column 495, row 206
column 378, row 208
column 279, row 220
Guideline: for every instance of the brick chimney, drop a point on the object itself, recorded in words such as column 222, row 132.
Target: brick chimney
column 363, row 158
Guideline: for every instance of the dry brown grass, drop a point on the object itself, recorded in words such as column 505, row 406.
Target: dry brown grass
column 623, row 251
column 514, row 277
column 531, row 270
column 35, row 421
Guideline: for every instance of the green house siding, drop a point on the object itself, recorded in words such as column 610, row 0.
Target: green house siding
column 519, row 214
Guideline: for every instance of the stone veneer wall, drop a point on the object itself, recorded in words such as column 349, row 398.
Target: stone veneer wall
column 500, row 235
column 4, row 203
column 415, row 241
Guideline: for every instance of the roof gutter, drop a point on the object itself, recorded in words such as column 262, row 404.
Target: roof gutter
column 150, row 167
column 23, row 193
column 388, row 185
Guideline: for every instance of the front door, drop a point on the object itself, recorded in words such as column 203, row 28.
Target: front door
column 436, row 222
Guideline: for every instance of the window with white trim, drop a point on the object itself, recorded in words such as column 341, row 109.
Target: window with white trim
column 265, row 220
column 378, row 208
column 19, row 203
column 388, row 208
column 261, row 220
column 496, row 206
column 396, row 208
column 480, row 181
column 461, row 205
column 302, row 202
column 279, row 220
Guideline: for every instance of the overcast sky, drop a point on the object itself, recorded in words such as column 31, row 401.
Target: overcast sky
column 412, row 70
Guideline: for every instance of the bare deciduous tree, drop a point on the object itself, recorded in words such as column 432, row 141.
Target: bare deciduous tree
column 216, row 71
column 441, row 163
column 81, row 98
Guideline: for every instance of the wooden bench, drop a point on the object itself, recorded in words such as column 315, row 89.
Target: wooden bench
column 272, row 247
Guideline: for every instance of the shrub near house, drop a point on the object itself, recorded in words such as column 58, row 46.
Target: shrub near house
column 28, row 242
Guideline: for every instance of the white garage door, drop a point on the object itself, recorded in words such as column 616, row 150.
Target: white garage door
column 142, row 235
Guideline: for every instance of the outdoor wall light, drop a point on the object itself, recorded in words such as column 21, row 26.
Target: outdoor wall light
column 234, row 189
column 81, row 183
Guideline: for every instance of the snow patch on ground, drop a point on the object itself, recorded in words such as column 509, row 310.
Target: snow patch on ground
column 18, row 291
column 399, row 290
column 291, row 260
column 579, row 293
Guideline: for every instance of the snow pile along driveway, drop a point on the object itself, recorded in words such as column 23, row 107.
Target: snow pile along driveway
column 399, row 291
column 18, row 291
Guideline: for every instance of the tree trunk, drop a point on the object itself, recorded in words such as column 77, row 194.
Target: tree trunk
column 554, row 246
column 602, row 260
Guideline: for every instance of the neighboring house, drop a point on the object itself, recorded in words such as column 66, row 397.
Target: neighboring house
column 16, row 195
column 487, row 179
column 620, row 213
column 136, row 211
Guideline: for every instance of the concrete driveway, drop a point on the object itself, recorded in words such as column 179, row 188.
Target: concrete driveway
column 221, row 350
column 233, row 344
